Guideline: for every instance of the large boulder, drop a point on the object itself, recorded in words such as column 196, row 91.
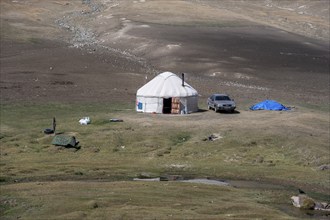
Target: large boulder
column 303, row 202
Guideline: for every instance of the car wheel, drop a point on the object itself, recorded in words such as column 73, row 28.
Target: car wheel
column 215, row 109
column 208, row 107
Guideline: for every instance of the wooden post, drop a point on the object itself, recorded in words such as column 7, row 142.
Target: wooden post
column 54, row 125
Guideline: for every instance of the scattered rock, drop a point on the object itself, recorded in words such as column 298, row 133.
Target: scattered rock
column 144, row 175
column 212, row 137
column 95, row 149
column 322, row 206
column 180, row 178
column 92, row 204
column 79, row 173
column 259, row 159
column 303, row 201
column 171, row 177
column 116, row 120
column 160, row 154
column 10, row 202
column 324, row 167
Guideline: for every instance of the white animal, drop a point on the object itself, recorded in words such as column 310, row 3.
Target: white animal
column 85, row 121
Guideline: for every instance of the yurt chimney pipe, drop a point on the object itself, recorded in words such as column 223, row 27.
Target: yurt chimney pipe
column 182, row 79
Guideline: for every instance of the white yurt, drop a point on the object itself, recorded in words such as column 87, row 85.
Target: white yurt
column 167, row 93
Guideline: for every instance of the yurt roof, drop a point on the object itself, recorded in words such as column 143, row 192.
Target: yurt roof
column 166, row 85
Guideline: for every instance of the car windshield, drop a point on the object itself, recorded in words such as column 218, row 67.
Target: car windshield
column 219, row 98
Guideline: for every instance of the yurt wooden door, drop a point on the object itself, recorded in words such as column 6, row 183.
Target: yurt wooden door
column 175, row 106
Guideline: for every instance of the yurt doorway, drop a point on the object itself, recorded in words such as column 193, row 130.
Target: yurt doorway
column 167, row 105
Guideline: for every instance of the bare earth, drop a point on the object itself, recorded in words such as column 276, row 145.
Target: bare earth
column 93, row 51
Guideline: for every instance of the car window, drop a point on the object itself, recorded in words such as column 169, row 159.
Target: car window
column 220, row 98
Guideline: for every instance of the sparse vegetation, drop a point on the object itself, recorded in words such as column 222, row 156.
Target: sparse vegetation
column 129, row 148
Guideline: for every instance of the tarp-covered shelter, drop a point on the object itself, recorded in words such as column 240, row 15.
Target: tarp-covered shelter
column 167, row 93
column 65, row 141
column 269, row 105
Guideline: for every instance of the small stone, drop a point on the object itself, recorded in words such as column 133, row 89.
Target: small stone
column 260, row 159
column 144, row 175
column 95, row 149
column 92, row 204
column 324, row 167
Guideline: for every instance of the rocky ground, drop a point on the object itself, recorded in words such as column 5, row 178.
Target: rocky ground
column 104, row 50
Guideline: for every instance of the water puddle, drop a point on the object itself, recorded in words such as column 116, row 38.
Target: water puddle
column 201, row 181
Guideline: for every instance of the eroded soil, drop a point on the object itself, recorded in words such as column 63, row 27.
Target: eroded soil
column 87, row 51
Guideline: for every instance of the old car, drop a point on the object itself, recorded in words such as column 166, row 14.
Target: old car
column 221, row 102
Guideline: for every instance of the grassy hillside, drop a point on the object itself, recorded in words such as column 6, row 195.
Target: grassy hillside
column 269, row 152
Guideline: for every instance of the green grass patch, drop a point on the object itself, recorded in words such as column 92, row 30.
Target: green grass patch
column 285, row 153
column 136, row 200
column 180, row 138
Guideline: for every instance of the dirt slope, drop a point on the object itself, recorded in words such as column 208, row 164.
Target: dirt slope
column 96, row 50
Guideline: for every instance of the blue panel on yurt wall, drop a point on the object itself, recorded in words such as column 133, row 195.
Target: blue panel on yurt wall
column 269, row 105
column 140, row 106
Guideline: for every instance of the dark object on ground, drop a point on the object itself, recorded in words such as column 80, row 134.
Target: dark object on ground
column 54, row 124
column 116, row 120
column 171, row 177
column 301, row 192
column 221, row 102
column 65, row 141
column 269, row 105
column 324, row 167
column 212, row 137
column 49, row 131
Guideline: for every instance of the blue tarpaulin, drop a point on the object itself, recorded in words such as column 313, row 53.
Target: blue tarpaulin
column 269, row 105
